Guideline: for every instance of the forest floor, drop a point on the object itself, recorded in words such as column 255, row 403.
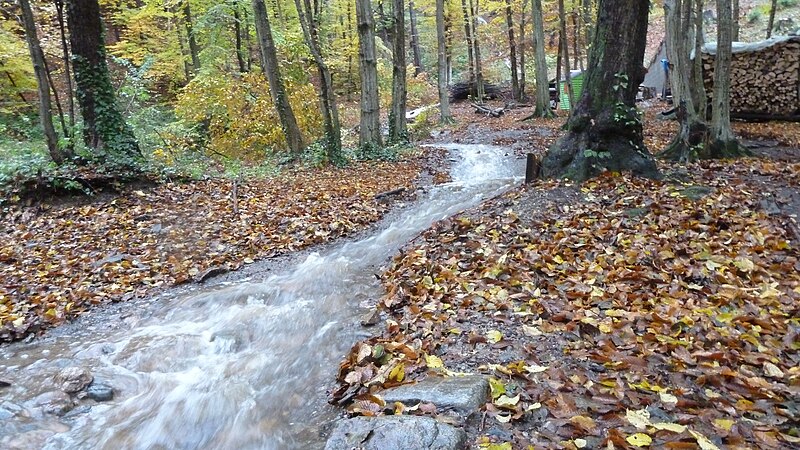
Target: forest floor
column 61, row 257
column 617, row 313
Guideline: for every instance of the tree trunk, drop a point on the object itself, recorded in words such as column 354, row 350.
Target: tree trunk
column 542, row 81
column 698, row 84
column 369, row 136
column 271, row 68
column 522, row 47
column 412, row 17
column 67, row 66
column 398, row 131
column 469, row 39
column 477, row 50
column 565, row 53
column 42, row 85
column 736, row 13
column 576, row 31
column 770, row 24
column 679, row 41
column 604, row 130
column 512, row 48
column 104, row 128
column 237, row 31
column 194, row 50
column 441, row 63
column 722, row 143
column 327, row 97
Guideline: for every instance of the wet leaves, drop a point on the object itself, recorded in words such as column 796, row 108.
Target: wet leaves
column 674, row 327
column 57, row 263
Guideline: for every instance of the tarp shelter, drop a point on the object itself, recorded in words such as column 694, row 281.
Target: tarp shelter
column 656, row 76
column 576, row 77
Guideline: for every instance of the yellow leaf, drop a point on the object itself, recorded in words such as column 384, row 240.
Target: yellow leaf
column 772, row 370
column 668, row 398
column 640, row 419
column 497, row 386
column 18, row 322
column 494, row 336
column 605, row 328
column 669, row 426
column 639, row 440
column 724, row 424
column 249, row 261
column 703, row 441
column 531, row 331
column 535, row 368
column 434, row 362
column 503, row 418
column 398, row 373
column 558, row 259
column 533, row 406
column 744, row 264
column 580, row 443
column 505, row 401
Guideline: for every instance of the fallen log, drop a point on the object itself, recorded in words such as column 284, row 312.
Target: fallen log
column 481, row 109
column 384, row 195
column 465, row 90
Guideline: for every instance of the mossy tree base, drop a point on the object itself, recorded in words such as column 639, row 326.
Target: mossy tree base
column 723, row 149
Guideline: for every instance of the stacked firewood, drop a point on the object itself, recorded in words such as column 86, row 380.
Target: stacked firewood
column 765, row 78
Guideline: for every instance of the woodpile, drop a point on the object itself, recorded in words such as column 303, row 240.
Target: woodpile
column 765, row 78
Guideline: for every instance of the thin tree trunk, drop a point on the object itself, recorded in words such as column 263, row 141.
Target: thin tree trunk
column 370, row 126
column 67, row 66
column 540, row 59
column 698, row 83
column 187, row 68
column 477, row 50
column 522, row 47
column 271, row 68
column 470, row 45
column 327, row 97
column 237, row 31
column 194, row 50
column 42, row 85
column 441, row 51
column 722, row 143
column 773, row 6
column 736, row 13
column 604, row 131
column 575, row 43
column 350, row 79
column 512, row 46
column 104, row 128
column 14, row 85
column 416, row 52
column 565, row 53
column 56, row 98
column 247, row 42
column 398, row 131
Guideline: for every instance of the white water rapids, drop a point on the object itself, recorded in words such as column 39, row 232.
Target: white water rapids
column 241, row 366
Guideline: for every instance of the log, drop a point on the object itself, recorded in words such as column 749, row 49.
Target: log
column 481, row 109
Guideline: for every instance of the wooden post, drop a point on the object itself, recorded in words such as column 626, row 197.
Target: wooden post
column 532, row 168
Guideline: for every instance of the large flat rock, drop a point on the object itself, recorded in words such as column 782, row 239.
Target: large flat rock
column 395, row 432
column 464, row 395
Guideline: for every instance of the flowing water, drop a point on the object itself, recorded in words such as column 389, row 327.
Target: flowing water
column 242, row 366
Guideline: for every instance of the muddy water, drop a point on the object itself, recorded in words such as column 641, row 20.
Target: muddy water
column 242, row 366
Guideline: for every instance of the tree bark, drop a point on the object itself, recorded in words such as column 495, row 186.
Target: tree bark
column 542, row 81
column 698, row 84
column 604, row 131
column 415, row 49
column 770, row 24
column 469, row 39
column 271, row 68
column 679, row 42
column 43, row 87
column 441, row 63
column 721, row 141
column 327, row 97
column 398, row 130
column 104, row 128
column 194, row 50
column 736, row 13
column 67, row 66
column 512, row 50
column 477, row 50
column 237, row 31
column 522, row 47
column 369, row 136
column 565, row 53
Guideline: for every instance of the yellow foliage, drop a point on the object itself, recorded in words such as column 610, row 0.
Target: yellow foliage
column 239, row 114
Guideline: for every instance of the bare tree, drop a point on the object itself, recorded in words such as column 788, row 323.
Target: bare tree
column 398, row 130
column 542, row 81
column 512, row 49
column 370, row 126
column 417, row 53
column 444, row 100
column 770, row 24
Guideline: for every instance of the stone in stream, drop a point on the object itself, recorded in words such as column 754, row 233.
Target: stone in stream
column 395, row 432
column 56, row 403
column 100, row 392
column 73, row 379
column 464, row 395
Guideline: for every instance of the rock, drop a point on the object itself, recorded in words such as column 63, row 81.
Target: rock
column 56, row 403
column 371, row 318
column 4, row 383
column 696, row 192
column 100, row 392
column 225, row 343
column 73, row 379
column 463, row 395
column 395, row 432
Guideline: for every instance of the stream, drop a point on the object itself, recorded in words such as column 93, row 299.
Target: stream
column 240, row 365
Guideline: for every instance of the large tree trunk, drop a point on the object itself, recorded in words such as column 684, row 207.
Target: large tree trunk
column 412, row 17
column 604, row 130
column 398, row 131
column 104, row 128
column 542, row 82
column 67, row 66
column 512, row 49
column 42, row 85
column 369, row 136
column 441, row 63
column 698, row 85
column 679, row 41
column 770, row 24
column 722, row 143
column 194, row 49
column 327, row 97
column 271, row 68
